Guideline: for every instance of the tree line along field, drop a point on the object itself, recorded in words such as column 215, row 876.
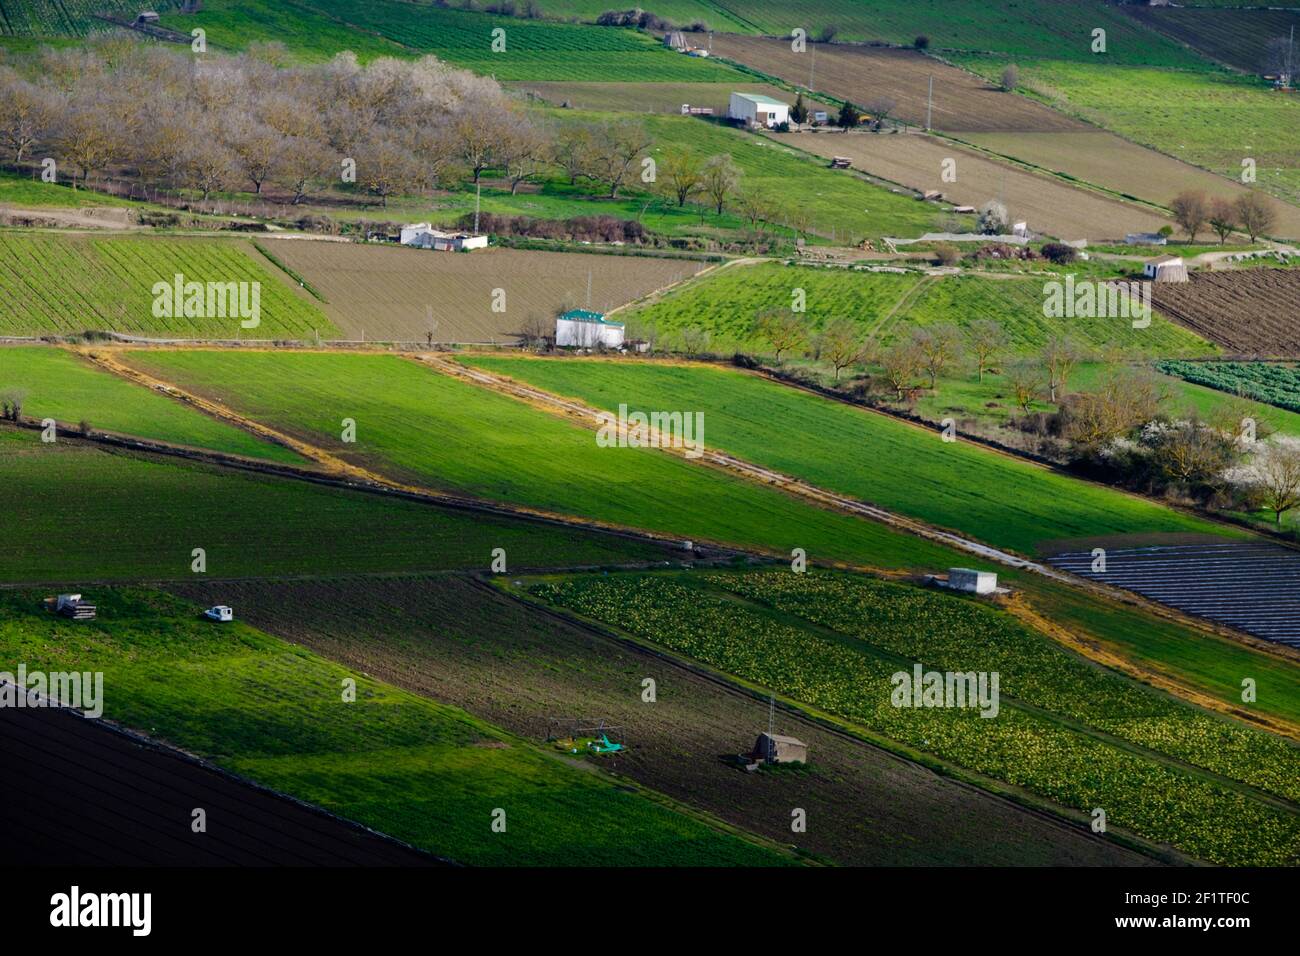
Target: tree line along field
column 139, row 518
column 1211, row 120
column 54, row 284
column 427, row 428
column 423, row 772
column 1237, row 37
column 871, row 457
column 1250, row 312
column 1275, row 384
column 534, row 49
column 1114, row 163
column 1049, row 205
column 60, row 384
column 962, row 102
column 385, row 293
column 725, row 303
column 457, row 642
column 760, row 626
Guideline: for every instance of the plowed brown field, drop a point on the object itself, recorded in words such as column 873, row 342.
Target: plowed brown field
column 1049, row 205
column 962, row 101
column 386, row 293
column 1251, row 311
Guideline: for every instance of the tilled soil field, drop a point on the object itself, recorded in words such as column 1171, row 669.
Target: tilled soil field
column 1112, row 162
column 962, row 101
column 1236, row 37
column 1048, row 205
column 460, row 643
column 1247, row 311
column 387, row 293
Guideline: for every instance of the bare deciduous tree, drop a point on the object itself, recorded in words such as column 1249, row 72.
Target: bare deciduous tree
column 616, row 149
column 1222, row 216
column 682, row 173
column 841, row 344
column 721, row 178
column 1191, row 209
column 901, row 363
column 1255, row 213
column 782, row 329
column 940, row 346
column 986, row 339
column 1059, row 357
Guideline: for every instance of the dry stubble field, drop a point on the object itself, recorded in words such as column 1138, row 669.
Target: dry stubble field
column 1107, row 160
column 1048, row 205
column 962, row 101
column 387, row 293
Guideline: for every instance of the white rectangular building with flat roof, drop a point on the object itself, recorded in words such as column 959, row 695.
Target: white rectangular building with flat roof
column 758, row 110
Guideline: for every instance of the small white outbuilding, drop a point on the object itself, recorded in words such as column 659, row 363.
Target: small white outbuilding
column 1166, row 269
column 972, row 582
column 579, row 328
column 754, row 109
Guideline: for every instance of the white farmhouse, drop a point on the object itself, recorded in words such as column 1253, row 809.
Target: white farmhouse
column 579, row 328
column 757, row 110
column 424, row 236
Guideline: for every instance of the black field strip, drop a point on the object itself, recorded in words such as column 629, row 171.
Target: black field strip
column 78, row 791
column 1254, row 587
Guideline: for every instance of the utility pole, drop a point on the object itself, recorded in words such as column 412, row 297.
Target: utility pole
column 478, row 196
column 812, row 69
column 929, row 104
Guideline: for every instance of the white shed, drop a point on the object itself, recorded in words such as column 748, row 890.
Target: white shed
column 579, row 328
column 757, row 110
column 1166, row 269
column 974, row 582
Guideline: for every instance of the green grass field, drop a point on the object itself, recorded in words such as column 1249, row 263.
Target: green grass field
column 1058, row 28
column 423, row 772
column 837, row 203
column 833, row 642
column 27, row 193
column 65, row 17
column 726, row 302
column 77, row 514
column 420, row 426
column 991, row 497
column 534, row 49
column 1213, row 120
column 61, row 385
column 54, row 284
column 309, row 35
column 1018, row 305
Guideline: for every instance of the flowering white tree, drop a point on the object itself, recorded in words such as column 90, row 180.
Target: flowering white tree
column 1272, row 474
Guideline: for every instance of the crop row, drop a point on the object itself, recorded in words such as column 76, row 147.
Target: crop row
column 1263, row 381
column 847, row 678
column 958, row 635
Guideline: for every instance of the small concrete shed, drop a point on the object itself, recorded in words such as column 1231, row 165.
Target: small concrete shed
column 775, row 748
column 973, row 582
